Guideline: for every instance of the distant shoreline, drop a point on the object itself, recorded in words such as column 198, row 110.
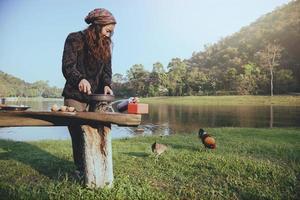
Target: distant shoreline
column 280, row 100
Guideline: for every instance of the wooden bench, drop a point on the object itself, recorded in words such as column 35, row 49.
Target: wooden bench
column 98, row 166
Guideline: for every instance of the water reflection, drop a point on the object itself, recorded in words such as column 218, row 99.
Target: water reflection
column 271, row 116
column 169, row 119
column 190, row 118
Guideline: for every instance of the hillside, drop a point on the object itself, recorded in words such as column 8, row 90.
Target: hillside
column 230, row 55
column 13, row 86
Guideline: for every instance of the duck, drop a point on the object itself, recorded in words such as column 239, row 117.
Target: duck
column 158, row 149
column 207, row 140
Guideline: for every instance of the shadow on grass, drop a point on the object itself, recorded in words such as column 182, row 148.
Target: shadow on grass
column 138, row 154
column 42, row 161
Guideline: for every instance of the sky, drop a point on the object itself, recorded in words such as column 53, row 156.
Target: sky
column 33, row 32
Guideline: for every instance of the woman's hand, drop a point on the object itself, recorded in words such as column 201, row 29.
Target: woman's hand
column 107, row 90
column 84, row 86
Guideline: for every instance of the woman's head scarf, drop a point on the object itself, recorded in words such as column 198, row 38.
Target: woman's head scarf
column 101, row 17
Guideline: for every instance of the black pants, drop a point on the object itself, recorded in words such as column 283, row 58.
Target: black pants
column 77, row 134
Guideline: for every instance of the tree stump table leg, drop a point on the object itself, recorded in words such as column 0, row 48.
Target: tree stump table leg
column 98, row 167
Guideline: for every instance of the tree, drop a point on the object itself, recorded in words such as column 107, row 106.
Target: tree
column 40, row 86
column 284, row 81
column 176, row 74
column 118, row 78
column 269, row 58
column 4, row 92
column 231, row 79
column 249, row 79
column 139, row 79
column 158, row 80
column 120, row 85
column 196, row 80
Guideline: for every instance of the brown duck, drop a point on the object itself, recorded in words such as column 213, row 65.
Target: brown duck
column 158, row 148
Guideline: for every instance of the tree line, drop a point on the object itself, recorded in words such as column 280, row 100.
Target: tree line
column 181, row 78
column 11, row 86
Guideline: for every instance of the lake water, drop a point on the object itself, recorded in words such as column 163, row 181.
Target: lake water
column 168, row 119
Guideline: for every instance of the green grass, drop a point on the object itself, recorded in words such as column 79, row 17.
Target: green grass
column 226, row 100
column 248, row 163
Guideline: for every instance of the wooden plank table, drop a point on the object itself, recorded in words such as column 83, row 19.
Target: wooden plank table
column 32, row 118
column 98, row 167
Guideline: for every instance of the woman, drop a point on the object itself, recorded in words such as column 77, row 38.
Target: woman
column 86, row 66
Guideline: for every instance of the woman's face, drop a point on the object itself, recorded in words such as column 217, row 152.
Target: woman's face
column 108, row 30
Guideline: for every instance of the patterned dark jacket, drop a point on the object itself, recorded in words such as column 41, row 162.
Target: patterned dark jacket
column 75, row 68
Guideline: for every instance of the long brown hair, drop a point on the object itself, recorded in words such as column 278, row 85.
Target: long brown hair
column 98, row 46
